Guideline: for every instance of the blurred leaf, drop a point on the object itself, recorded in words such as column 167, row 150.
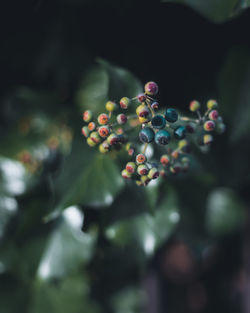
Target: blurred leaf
column 216, row 11
column 225, row 212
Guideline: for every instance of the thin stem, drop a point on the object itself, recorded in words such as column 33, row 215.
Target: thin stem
column 145, row 148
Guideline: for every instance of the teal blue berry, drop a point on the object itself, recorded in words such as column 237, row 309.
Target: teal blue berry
column 146, row 135
column 171, row 115
column 158, row 121
column 162, row 137
column 180, row 132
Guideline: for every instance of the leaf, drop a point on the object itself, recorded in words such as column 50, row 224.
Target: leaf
column 225, row 212
column 214, row 10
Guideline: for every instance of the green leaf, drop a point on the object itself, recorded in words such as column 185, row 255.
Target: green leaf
column 225, row 212
column 214, row 10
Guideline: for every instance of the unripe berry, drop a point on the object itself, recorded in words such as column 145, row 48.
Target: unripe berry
column 207, row 139
column 131, row 167
column 121, row 118
column 142, row 169
column 95, row 137
column 153, row 173
column 85, row 131
column 182, row 143
column 171, row 115
column 103, row 119
column 142, row 110
column 209, row 126
column 91, row 126
column 126, row 174
column 124, row 102
column 213, row 115
column 180, row 132
column 151, row 88
column 110, row 106
column 103, row 131
column 165, row 159
column 139, row 183
column 145, row 180
column 155, row 105
column 212, row 104
column 104, row 147
column 175, row 154
column 131, row 151
column 87, row 115
column 146, row 135
column 140, row 158
column 158, row 122
column 143, row 119
column 194, row 106
column 113, row 139
column 90, row 142
column 141, row 97
column 162, row 137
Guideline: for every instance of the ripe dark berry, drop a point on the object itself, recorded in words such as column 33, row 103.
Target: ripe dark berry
column 141, row 97
column 124, row 102
column 162, row 137
column 180, row 132
column 113, row 139
column 194, row 106
column 146, row 135
column 190, row 127
column 209, row 126
column 171, row 115
column 121, row 118
column 141, row 158
column 103, row 131
column 151, row 88
column 158, row 122
column 103, row 119
column 155, row 105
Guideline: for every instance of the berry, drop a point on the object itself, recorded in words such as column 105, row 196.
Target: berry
column 155, row 105
column 194, row 106
column 141, row 158
column 90, row 142
column 207, row 139
column 91, row 126
column 121, row 118
column 162, row 137
column 171, row 115
column 110, row 106
column 130, row 167
column 145, row 180
column 87, row 116
column 124, row 102
column 165, row 159
column 143, row 119
column 146, row 135
column 103, row 131
column 182, row 143
column 126, row 174
column 190, row 127
column 131, row 151
column 151, row 88
column 209, row 126
column 113, row 139
column 153, row 173
column 180, row 132
column 158, row 121
column 212, row 104
column 142, row 169
column 175, row 154
column 122, row 139
column 141, row 97
column 95, row 137
column 142, row 110
column 85, row 131
column 213, row 115
column 104, row 147
column 139, row 183
column 103, row 119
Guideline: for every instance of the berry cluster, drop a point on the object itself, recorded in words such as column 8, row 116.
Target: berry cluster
column 167, row 130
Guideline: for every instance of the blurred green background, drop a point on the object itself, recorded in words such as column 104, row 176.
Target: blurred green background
column 74, row 237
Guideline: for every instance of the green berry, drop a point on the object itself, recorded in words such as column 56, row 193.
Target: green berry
column 121, row 119
column 126, row 174
column 194, row 106
column 142, row 169
column 110, row 106
column 90, row 142
column 146, row 135
column 158, row 122
column 131, row 167
column 85, row 131
column 125, row 102
column 212, row 104
column 162, row 137
column 153, row 173
column 87, row 115
column 104, row 147
column 171, row 115
column 180, row 132
column 151, row 88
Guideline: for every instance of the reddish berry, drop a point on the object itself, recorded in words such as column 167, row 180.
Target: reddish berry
column 194, row 105
column 209, row 126
column 124, row 102
column 151, row 88
column 130, row 167
column 141, row 97
column 213, row 115
column 87, row 116
column 103, row 131
column 140, row 158
column 110, row 106
column 121, row 118
column 126, row 174
column 104, row 147
column 142, row 169
column 113, row 139
column 85, row 131
column 165, row 159
column 95, row 137
column 131, row 151
column 91, row 126
column 103, row 119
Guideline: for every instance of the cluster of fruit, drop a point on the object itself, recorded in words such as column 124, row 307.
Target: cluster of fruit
column 159, row 127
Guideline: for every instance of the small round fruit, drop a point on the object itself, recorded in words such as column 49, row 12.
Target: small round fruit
column 190, row 127
column 113, row 139
column 85, row 131
column 103, row 131
column 175, row 154
column 153, row 173
column 104, row 147
column 131, row 151
column 209, row 126
column 139, row 183
column 155, row 105
column 143, row 120
column 213, row 115
column 165, row 159
column 162, row 137
column 126, row 174
column 110, row 106
column 146, row 135
column 151, row 88
column 87, row 115
column 207, row 139
column 125, row 102
column 171, row 115
column 103, row 119
column 141, row 97
column 95, row 137
column 142, row 110
column 180, row 132
column 142, row 169
column 140, row 158
column 158, row 122
column 90, row 142
column 131, row 167
column 182, row 143
column 212, row 104
column 121, row 118
column 194, row 106
column 91, row 126
column 145, row 180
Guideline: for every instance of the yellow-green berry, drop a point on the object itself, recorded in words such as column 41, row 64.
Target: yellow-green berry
column 94, row 136
column 153, row 173
column 194, row 106
column 87, row 115
column 142, row 111
column 145, row 180
column 125, row 102
column 126, row 174
column 110, row 106
column 90, row 142
column 113, row 139
column 131, row 167
column 212, row 104
column 207, row 139
column 104, row 147
column 85, row 131
column 142, row 169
